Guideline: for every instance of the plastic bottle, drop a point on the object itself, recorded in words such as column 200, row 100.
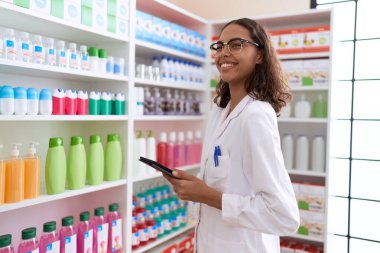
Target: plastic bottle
column 170, row 103
column 318, row 154
column 170, row 151
column 32, row 101
column 151, row 224
column 109, row 65
column 49, row 241
column 6, row 244
column 55, row 167
column 84, row 58
column 148, row 102
column 10, row 51
column 94, row 59
column 118, row 66
column 189, row 152
column 162, row 149
column 120, row 104
column 170, row 69
column 76, row 164
column 190, row 104
column 71, row 106
column 85, row 234
column 302, row 108
column 32, row 168
column 39, row 54
column 142, row 226
column 46, row 105
column 302, row 153
column 20, row 101
column 320, row 107
column 73, row 56
column 287, row 151
column 155, row 62
column 1, row 48
column 7, row 100
column 14, row 176
column 95, row 161
column 115, row 236
column 113, row 102
column 182, row 213
column 29, row 242
column 179, row 151
column 25, row 49
column 139, row 101
column 159, row 104
column 58, row 98
column 82, row 103
column 102, row 61
column 62, row 54
column 105, row 104
column 135, row 232
column 2, row 181
column 164, row 69
column 67, row 236
column 151, row 148
column 100, row 227
column 177, row 103
column 113, row 158
column 140, row 150
column 94, row 103
column 197, row 148
column 51, row 52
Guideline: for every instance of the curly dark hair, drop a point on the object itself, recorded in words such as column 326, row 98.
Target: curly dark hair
column 267, row 81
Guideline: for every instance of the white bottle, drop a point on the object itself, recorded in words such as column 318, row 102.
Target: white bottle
column 51, row 52
column 73, row 56
column 39, row 54
column 20, row 101
column 109, row 66
column 10, row 46
column 177, row 71
column 318, row 154
column 151, row 149
column 140, row 150
column 155, row 62
column 190, row 72
column 32, row 99
column 287, row 151
column 7, row 100
column 46, row 104
column 25, row 49
column 302, row 153
column 302, row 108
column 286, row 111
column 189, row 156
column 171, row 69
column 62, row 54
column 164, row 69
column 1, row 47
column 84, row 58
column 139, row 101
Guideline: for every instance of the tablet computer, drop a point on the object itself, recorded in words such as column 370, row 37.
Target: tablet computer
column 157, row 166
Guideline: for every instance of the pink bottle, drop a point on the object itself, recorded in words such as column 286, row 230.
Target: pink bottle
column 197, row 147
column 162, row 149
column 115, row 242
column 189, row 153
column 85, row 234
column 49, row 241
column 71, row 102
column 29, row 242
column 6, row 244
column 82, row 103
column 100, row 227
column 67, row 236
column 170, row 150
column 58, row 102
column 179, row 151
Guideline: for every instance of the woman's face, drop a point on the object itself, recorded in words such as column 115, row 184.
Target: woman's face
column 236, row 67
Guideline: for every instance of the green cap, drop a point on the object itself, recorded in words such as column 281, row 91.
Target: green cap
column 140, row 134
column 55, row 142
column 49, row 226
column 114, row 207
column 113, row 137
column 84, row 216
column 67, row 221
column 5, row 240
column 95, row 139
column 75, row 140
column 99, row 211
column 28, row 233
column 102, row 53
column 93, row 51
column 150, row 134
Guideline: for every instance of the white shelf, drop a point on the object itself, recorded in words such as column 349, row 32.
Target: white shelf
column 307, row 238
column 147, row 50
column 310, row 88
column 158, row 174
column 39, row 70
column 304, row 56
column 170, row 85
column 164, row 239
column 307, row 173
column 63, row 117
column 169, row 118
column 35, row 22
column 66, row 194
column 309, row 120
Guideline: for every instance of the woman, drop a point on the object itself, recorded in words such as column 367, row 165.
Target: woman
column 246, row 196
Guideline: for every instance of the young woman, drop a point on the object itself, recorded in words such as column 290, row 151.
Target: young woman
column 246, row 196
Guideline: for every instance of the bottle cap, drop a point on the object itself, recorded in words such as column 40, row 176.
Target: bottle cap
column 28, row 233
column 93, row 51
column 20, row 93
column 120, row 97
column 9, row 32
column 95, row 95
column 106, row 96
column 32, row 148
column 73, row 46
column 95, row 139
column 15, row 152
column 31, row 94
column 75, row 140
column 5, row 240
column 55, row 142
column 50, row 41
column 102, row 53
column 38, row 38
column 60, row 43
column 24, row 35
column 150, row 133
column 140, row 134
column 114, row 207
column 84, row 216
column 181, row 136
column 67, row 221
column 163, row 137
column 189, row 135
column 99, row 211
column 113, row 137
column 71, row 94
column 83, row 48
column 172, row 136
column 82, row 94
column 45, row 94
column 49, row 226
column 7, row 92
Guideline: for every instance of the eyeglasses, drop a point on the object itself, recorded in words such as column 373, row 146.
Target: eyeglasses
column 234, row 45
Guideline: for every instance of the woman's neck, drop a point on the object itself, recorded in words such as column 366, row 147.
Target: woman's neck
column 237, row 93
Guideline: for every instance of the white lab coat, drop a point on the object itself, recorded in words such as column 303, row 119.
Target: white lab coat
column 258, row 202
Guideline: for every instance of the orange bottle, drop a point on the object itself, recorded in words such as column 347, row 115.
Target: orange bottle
column 14, row 177
column 32, row 173
column 2, row 180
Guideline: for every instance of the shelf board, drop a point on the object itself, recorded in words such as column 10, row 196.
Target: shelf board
column 307, row 173
column 158, row 174
column 307, row 238
column 182, row 86
column 36, row 22
column 308, row 120
column 44, row 198
column 309, row 88
column 63, row 117
column 164, row 239
column 40, row 70
column 304, row 56
column 147, row 50
column 169, row 118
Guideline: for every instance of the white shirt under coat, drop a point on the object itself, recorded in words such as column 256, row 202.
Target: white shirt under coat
column 258, row 203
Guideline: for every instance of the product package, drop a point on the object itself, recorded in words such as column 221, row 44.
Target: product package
column 293, row 71
column 316, row 39
column 311, row 197
column 315, row 72
column 312, row 224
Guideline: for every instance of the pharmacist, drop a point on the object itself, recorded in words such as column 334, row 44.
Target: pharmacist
column 247, row 200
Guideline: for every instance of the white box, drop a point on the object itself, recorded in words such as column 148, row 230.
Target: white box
column 122, row 9
column 100, row 5
column 99, row 20
column 42, row 6
column 73, row 11
column 122, row 27
column 293, row 71
column 157, row 36
column 312, row 224
column 316, row 72
column 311, row 197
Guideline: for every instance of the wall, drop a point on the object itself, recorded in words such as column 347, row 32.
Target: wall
column 217, row 9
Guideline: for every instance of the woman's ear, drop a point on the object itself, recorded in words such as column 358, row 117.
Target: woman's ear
column 259, row 57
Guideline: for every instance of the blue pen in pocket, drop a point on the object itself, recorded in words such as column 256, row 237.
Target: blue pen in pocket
column 217, row 152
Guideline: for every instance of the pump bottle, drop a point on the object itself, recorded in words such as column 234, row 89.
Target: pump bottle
column 32, row 172
column 14, row 176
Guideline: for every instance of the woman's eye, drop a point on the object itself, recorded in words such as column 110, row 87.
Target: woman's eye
column 235, row 45
column 218, row 48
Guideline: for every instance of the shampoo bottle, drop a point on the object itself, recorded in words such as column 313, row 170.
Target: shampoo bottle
column 2, row 179
column 14, row 176
column 115, row 237
column 55, row 167
column 32, row 101
column 120, row 104
column 29, row 243
column 7, row 100
column 318, row 154
column 71, row 102
column 85, row 234
column 20, row 101
column 100, row 227
column 162, row 149
column 49, row 241
column 151, row 148
column 59, row 102
column 302, row 153
column 6, row 244
column 287, row 151
column 94, row 103
column 95, row 161
column 76, row 164
column 82, row 103
column 113, row 158
column 46, row 105
column 67, row 236
column 32, row 173
column 140, row 150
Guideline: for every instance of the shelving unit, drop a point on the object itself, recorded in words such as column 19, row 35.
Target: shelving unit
column 159, row 175
column 63, row 118
column 182, row 86
column 307, row 238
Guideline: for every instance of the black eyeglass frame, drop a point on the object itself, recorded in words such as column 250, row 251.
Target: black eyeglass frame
column 239, row 39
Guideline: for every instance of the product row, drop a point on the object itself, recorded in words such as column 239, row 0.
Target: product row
column 307, row 72
column 304, row 109
column 300, row 153
column 184, row 245
column 153, row 29
column 171, row 70
column 173, row 153
column 287, row 246
column 27, row 48
column 101, row 234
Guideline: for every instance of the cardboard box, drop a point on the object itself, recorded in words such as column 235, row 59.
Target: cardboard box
column 100, row 5
column 175, row 31
column 57, row 8
column 311, row 197
column 317, row 39
column 99, row 20
column 157, row 36
column 166, row 33
column 122, row 27
column 289, row 41
column 122, row 9
column 312, row 224
column 293, row 71
column 86, row 15
column 315, row 72
column 73, row 11
column 111, row 24
column 42, row 6
column 111, row 7
column 148, row 27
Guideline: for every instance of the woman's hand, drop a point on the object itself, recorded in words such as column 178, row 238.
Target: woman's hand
column 189, row 187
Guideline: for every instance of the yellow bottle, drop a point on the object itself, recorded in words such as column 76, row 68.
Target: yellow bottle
column 14, row 176
column 2, row 180
column 32, row 173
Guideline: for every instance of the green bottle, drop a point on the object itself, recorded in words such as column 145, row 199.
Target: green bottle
column 320, row 108
column 113, row 158
column 55, row 167
column 76, row 164
column 95, row 161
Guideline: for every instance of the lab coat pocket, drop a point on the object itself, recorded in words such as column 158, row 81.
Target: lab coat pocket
column 217, row 175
